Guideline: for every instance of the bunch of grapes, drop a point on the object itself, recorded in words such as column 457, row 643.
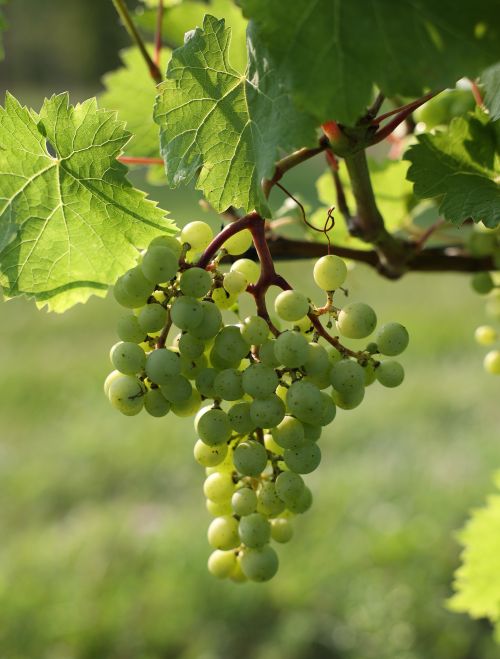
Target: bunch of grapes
column 260, row 396
column 486, row 242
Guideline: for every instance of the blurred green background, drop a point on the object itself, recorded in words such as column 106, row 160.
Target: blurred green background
column 103, row 547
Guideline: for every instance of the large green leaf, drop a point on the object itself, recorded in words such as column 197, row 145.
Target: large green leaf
column 477, row 580
column 71, row 222
column 332, row 52
column 131, row 91
column 461, row 166
column 226, row 128
column 491, row 81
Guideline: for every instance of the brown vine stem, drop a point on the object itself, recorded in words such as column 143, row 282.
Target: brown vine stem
column 401, row 114
column 132, row 160
column 158, row 34
column 294, row 159
column 128, row 23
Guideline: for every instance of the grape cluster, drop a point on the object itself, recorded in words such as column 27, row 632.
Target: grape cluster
column 486, row 242
column 260, row 396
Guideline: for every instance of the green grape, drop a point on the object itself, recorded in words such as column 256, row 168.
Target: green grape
column 303, row 460
column 132, row 289
column 240, row 419
column 267, row 412
column 218, row 509
column 234, row 282
column 221, row 563
column 223, row 533
column 491, row 362
column 303, row 504
column 254, row 530
column 303, row 325
column 218, row 487
column 259, row 564
column 289, row 487
column 173, row 244
column 317, row 362
column 271, row 445
column 155, row 403
column 291, row 305
column 230, row 345
column 328, row 412
column 204, row 382
column 152, row 318
column 159, row 264
column 370, row 374
column 198, row 235
column 209, row 456
column 244, row 501
column 187, row 407
column 223, row 299
column 126, row 394
column 356, row 320
column 213, row 427
column 289, row 433
column 390, row 373
column 239, row 243
column 211, row 322
column 114, row 375
column 304, row 400
column 481, row 243
column 329, row 272
column 250, row 458
column 195, row 282
column 347, row 376
column 334, row 356
column 493, row 306
column 482, row 283
column 254, row 330
column 127, row 357
column 128, row 329
column 248, row 268
column 220, row 364
column 189, row 346
column 259, row 381
column 161, row 365
column 186, row 313
column 392, row 339
column 485, row 335
column 237, row 574
column 348, row 401
column 177, row 389
column 228, row 384
column 267, row 355
column 281, row 530
column 312, row 432
column 191, row 367
column 268, row 502
column 291, row 349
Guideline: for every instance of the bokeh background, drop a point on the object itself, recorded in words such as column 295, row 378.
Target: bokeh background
column 103, row 521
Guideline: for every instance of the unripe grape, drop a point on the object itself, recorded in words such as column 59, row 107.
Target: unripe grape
column 482, row 282
column 218, row 487
column 230, row 345
column 239, row 243
column 159, row 264
column 289, row 433
column 304, row 400
column 254, row 530
column 211, row 321
column 228, row 384
column 347, row 376
column 187, row 407
column 303, row 460
column 223, row 533
column 195, row 282
column 155, row 403
column 370, row 374
column 259, row 564
column 132, row 289
column 250, row 458
column 291, row 349
column 152, row 318
column 267, row 412
column 268, row 502
column 218, row 509
column 114, row 375
column 328, row 412
column 485, row 335
column 234, row 282
column 281, row 530
column 128, row 329
column 392, row 339
column 356, row 320
column 481, row 243
column 312, row 432
column 126, row 394
column 221, row 563
column 291, row 305
column 190, row 346
column 204, row 382
column 289, row 487
column 186, row 313
column 390, row 373
column 209, row 456
column 244, row 501
column 267, row 355
column 317, row 361
column 173, row 244
column 237, row 574
column 348, row 401
column 240, row 419
column 161, row 365
column 197, row 234
column 303, row 503
column 491, row 362
column 223, row 299
column 254, row 330
column 248, row 268
column 176, row 389
column 259, row 381
column 213, row 427
column 127, row 357
column 271, row 445
column 329, row 272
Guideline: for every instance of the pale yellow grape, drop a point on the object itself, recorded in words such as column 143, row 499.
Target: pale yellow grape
column 281, row 529
column 248, row 268
column 221, row 563
column 234, row 282
column 218, row 509
column 485, row 335
column 491, row 362
column 223, row 533
column 209, row 456
column 218, row 487
column 329, row 272
column 239, row 243
column 197, row 234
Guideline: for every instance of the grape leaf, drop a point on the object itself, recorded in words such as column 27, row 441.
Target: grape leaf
column 477, row 580
column 332, row 52
column 131, row 91
column 223, row 126
column 462, row 166
column 491, row 81
column 77, row 219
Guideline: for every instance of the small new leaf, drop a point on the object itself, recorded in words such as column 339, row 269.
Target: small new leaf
column 461, row 167
column 223, row 127
column 70, row 222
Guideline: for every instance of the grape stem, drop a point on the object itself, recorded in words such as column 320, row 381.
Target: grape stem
column 158, row 34
column 162, row 339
